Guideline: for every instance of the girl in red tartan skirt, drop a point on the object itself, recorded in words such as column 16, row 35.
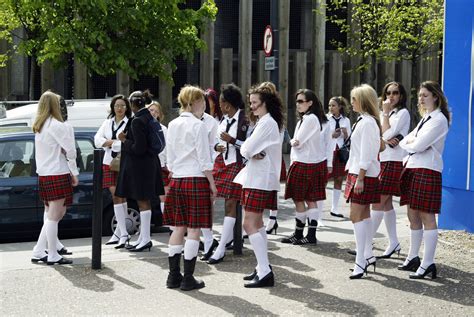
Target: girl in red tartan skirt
column 188, row 202
column 231, row 135
column 362, row 184
column 55, row 154
column 260, row 178
column 340, row 129
column 106, row 137
column 421, row 178
column 395, row 120
column 307, row 176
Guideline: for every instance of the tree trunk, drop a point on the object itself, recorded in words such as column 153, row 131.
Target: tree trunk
column 413, row 107
column 31, row 88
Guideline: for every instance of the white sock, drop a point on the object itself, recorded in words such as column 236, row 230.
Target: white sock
column 145, row 222
column 320, row 207
column 191, row 248
column 431, row 240
column 336, row 193
column 162, row 206
column 369, row 237
column 52, row 235
column 208, row 238
column 120, row 216
column 227, row 234
column 174, row 249
column 271, row 222
column 260, row 250
column 416, row 237
column 301, row 216
column 390, row 219
column 377, row 216
column 360, row 232
column 41, row 244
column 263, row 233
column 313, row 214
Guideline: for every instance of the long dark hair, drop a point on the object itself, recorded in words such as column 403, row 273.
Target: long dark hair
column 441, row 101
column 402, row 102
column 140, row 99
column 316, row 107
column 232, row 94
column 342, row 103
column 212, row 94
column 128, row 112
column 272, row 102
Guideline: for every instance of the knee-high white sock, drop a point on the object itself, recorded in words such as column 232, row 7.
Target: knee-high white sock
column 301, row 216
column 191, row 248
column 431, row 240
column 227, row 234
column 390, row 219
column 313, row 214
column 208, row 238
column 320, row 207
column 369, row 238
column 162, row 206
column 263, row 233
column 175, row 249
column 360, row 232
column 52, row 235
column 377, row 216
column 145, row 223
column 416, row 236
column 271, row 222
column 59, row 245
column 120, row 217
column 261, row 253
column 336, row 193
column 41, row 244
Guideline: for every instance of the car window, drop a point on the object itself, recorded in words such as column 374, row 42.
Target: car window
column 16, row 158
column 85, row 155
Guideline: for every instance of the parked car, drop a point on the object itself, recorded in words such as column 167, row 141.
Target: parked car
column 21, row 211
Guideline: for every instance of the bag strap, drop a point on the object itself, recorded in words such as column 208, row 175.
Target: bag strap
column 348, row 140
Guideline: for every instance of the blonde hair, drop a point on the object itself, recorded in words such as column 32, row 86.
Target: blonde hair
column 188, row 95
column 159, row 110
column 368, row 101
column 48, row 106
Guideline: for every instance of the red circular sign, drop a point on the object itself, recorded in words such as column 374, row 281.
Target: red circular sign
column 268, row 41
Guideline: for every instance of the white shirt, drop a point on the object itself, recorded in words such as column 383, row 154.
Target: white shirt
column 262, row 174
column 211, row 126
column 54, row 137
column 187, row 147
column 344, row 122
column 399, row 124
column 365, row 145
column 428, row 144
column 310, row 148
column 105, row 133
column 231, row 157
column 326, row 141
column 162, row 155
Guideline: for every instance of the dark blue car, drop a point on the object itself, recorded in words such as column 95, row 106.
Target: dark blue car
column 21, row 211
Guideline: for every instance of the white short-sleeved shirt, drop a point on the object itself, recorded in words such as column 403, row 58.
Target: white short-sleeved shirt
column 310, row 148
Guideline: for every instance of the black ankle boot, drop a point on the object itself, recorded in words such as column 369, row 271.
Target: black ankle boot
column 310, row 236
column 189, row 282
column 298, row 234
column 174, row 276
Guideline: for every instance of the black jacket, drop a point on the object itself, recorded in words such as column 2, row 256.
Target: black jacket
column 140, row 170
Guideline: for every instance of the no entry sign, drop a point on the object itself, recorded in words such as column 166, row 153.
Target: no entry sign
column 268, row 41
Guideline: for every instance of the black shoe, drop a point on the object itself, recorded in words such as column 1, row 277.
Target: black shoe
column 252, row 276
column 275, row 225
column 201, row 246
column 336, row 215
column 310, row 236
column 64, row 251
column 131, row 246
column 370, row 262
column 359, row 276
column 174, row 277
column 146, row 246
column 124, row 244
column 207, row 255
column 189, row 282
column 412, row 265
column 298, row 234
column 113, row 242
column 352, row 252
column 386, row 256
column 267, row 281
column 230, row 245
column 37, row 260
column 430, row 269
column 60, row 262
column 214, row 261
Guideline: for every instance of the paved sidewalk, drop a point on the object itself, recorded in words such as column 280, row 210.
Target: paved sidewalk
column 309, row 280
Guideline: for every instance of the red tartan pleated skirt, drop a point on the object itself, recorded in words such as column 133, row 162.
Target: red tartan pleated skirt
column 370, row 194
column 338, row 167
column 109, row 178
column 257, row 200
column 307, row 181
column 421, row 189
column 224, row 176
column 188, row 203
column 165, row 175
column 55, row 187
column 390, row 173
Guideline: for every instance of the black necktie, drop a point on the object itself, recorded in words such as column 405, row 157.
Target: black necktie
column 227, row 128
column 337, row 122
column 114, row 134
column 391, row 114
column 422, row 123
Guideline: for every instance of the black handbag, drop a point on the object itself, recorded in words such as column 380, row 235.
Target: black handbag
column 343, row 152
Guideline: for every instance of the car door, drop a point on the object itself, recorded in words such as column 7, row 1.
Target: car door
column 19, row 211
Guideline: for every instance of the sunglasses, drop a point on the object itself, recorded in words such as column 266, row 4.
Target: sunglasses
column 299, row 101
column 395, row 92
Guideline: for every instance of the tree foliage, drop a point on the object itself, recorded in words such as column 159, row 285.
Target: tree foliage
column 141, row 37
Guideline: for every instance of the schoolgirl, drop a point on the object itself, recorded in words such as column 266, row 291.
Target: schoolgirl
column 188, row 202
column 106, row 137
column 421, row 178
column 307, row 176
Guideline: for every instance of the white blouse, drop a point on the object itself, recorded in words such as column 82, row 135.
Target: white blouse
column 310, row 148
column 231, row 149
column 365, row 145
column 326, row 140
column 211, row 127
column 428, row 142
column 344, row 122
column 162, row 154
column 55, row 149
column 263, row 174
column 187, row 147
column 399, row 124
column 105, row 133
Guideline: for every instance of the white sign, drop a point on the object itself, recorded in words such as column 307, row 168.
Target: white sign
column 268, row 40
column 270, row 63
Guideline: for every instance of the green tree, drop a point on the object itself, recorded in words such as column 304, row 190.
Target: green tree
column 138, row 37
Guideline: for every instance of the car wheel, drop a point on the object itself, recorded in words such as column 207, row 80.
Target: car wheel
column 132, row 221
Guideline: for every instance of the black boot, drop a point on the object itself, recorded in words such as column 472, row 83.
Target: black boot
column 298, row 234
column 174, row 276
column 189, row 282
column 310, row 236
